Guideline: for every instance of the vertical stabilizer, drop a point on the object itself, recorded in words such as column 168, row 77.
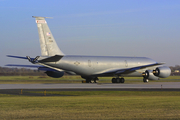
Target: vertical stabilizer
column 47, row 43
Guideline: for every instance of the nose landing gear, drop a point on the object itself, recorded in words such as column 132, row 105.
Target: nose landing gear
column 145, row 80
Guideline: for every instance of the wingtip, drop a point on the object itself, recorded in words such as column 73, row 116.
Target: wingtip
column 8, row 65
column 161, row 63
column 9, row 55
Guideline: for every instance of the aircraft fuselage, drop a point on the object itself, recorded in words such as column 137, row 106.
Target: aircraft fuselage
column 95, row 65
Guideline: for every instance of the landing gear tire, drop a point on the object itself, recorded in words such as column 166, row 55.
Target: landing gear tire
column 88, row 81
column 118, row 80
column 113, row 80
column 95, row 81
column 145, row 80
column 122, row 80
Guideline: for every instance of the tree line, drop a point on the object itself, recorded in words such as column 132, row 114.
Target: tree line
column 5, row 71
column 175, row 68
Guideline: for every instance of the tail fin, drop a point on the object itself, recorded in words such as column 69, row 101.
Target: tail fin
column 47, row 42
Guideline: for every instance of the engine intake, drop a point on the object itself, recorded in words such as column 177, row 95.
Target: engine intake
column 148, row 74
column 162, row 72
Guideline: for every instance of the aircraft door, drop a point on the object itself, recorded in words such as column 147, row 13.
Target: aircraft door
column 89, row 63
column 126, row 63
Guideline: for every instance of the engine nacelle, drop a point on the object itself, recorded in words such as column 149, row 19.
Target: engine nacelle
column 162, row 72
column 55, row 74
column 148, row 74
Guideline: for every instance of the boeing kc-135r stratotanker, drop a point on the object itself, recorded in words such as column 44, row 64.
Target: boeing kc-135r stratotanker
column 54, row 62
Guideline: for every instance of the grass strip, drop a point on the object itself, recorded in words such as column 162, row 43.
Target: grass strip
column 93, row 105
column 72, row 79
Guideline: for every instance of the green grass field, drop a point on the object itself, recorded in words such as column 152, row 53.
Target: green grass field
column 72, row 79
column 88, row 104
column 92, row 105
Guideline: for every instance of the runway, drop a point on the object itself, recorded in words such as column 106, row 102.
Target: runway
column 94, row 86
column 27, row 89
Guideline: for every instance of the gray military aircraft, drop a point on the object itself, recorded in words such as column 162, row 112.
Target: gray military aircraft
column 54, row 62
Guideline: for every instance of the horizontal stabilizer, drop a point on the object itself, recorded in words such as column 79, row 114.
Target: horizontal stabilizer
column 51, row 59
column 33, row 66
column 32, row 60
column 17, row 57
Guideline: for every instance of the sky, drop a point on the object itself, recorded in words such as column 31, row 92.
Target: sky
column 140, row 28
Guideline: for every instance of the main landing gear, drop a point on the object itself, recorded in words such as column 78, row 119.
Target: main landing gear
column 118, row 80
column 90, row 80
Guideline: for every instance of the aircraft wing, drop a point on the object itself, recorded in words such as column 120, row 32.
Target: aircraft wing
column 127, row 70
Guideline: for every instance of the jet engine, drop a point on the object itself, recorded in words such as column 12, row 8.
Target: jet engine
column 162, row 72
column 148, row 74
column 51, row 72
column 55, row 74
